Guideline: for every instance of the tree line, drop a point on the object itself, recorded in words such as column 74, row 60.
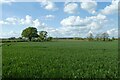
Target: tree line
column 31, row 34
column 100, row 37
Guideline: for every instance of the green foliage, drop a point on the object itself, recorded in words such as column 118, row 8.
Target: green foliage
column 76, row 38
column 42, row 35
column 30, row 32
column 49, row 38
column 90, row 37
column 0, row 60
column 60, row 59
column 16, row 40
column 98, row 37
column 113, row 38
column 12, row 38
column 105, row 36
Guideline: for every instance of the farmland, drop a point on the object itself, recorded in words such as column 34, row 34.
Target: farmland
column 60, row 59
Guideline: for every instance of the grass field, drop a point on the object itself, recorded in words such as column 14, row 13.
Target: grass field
column 0, row 60
column 60, row 59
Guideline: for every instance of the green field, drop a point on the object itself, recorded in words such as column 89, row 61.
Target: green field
column 60, row 59
column 0, row 60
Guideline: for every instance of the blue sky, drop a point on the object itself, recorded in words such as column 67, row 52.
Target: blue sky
column 60, row 19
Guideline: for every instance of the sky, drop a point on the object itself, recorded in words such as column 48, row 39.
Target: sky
column 60, row 19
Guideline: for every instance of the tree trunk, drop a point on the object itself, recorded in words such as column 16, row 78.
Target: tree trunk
column 30, row 38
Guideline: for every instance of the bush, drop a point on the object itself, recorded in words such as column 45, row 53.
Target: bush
column 49, row 39
column 76, row 38
column 12, row 38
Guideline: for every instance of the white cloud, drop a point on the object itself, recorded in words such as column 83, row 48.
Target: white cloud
column 27, row 21
column 48, row 5
column 95, row 25
column 9, row 34
column 71, row 8
column 66, row 31
column 74, row 21
column 101, row 17
column 98, row 17
column 111, row 9
column 12, row 20
column 3, row 22
column 6, row 2
column 77, row 25
column 49, row 17
column 77, row 21
column 89, row 6
column 113, row 32
column 31, row 22
column 38, row 24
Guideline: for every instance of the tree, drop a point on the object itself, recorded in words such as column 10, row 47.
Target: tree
column 105, row 36
column 29, row 33
column 42, row 35
column 98, row 37
column 20, row 38
column 49, row 38
column 12, row 38
column 90, row 36
column 113, row 38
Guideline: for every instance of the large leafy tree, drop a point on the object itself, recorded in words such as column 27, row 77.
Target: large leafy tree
column 29, row 33
column 43, row 35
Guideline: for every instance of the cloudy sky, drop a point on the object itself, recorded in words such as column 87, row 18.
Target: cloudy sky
column 60, row 19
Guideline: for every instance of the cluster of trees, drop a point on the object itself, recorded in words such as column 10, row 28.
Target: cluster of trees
column 32, row 33
column 100, row 37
